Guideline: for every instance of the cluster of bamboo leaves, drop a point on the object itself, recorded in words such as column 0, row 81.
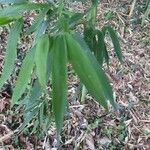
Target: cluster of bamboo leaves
column 55, row 44
column 146, row 13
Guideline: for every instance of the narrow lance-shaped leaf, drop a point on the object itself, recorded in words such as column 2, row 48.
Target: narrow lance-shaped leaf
column 40, row 30
column 102, row 77
column 42, row 49
column 88, row 37
column 105, row 83
column 147, row 12
column 28, row 116
column 11, row 52
column 59, row 80
column 33, row 99
column 75, row 19
column 16, row 10
column 115, row 42
column 36, row 90
column 12, row 1
column 38, row 20
column 24, row 75
column 41, row 114
column 7, row 20
column 94, row 47
column 101, row 48
column 91, row 75
column 87, row 71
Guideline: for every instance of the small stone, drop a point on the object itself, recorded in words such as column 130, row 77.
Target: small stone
column 105, row 141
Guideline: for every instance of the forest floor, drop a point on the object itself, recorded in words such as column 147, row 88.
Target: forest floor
column 89, row 126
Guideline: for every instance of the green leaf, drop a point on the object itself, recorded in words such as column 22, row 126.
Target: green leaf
column 32, row 101
column 40, row 30
column 42, row 49
column 115, row 42
column 41, row 114
column 78, row 37
column 33, row 97
column 16, row 10
column 94, row 48
column 88, row 70
column 101, row 48
column 88, row 36
column 11, row 51
column 7, row 20
column 35, row 92
column 12, row 1
column 28, row 116
column 80, row 60
column 85, row 47
column 59, row 80
column 75, row 18
column 24, row 75
column 38, row 20
column 106, row 56
column 147, row 12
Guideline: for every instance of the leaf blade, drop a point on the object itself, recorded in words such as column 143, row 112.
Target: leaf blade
column 102, row 84
column 12, row 1
column 24, row 76
column 101, row 48
column 7, row 20
column 38, row 20
column 16, row 10
column 42, row 49
column 86, row 70
column 115, row 42
column 59, row 81
column 11, row 53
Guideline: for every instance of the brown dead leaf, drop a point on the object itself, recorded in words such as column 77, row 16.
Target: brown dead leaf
column 90, row 142
column 3, row 102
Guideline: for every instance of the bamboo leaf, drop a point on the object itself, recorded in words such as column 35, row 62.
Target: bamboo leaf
column 75, row 18
column 16, row 10
column 106, row 56
column 24, row 76
column 7, row 20
column 88, row 37
column 147, row 12
column 12, row 1
column 28, row 116
column 103, row 78
column 11, row 52
column 115, row 42
column 101, row 48
column 81, row 61
column 41, row 55
column 35, row 91
column 40, row 30
column 89, row 72
column 38, row 20
column 78, row 37
column 59, row 80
